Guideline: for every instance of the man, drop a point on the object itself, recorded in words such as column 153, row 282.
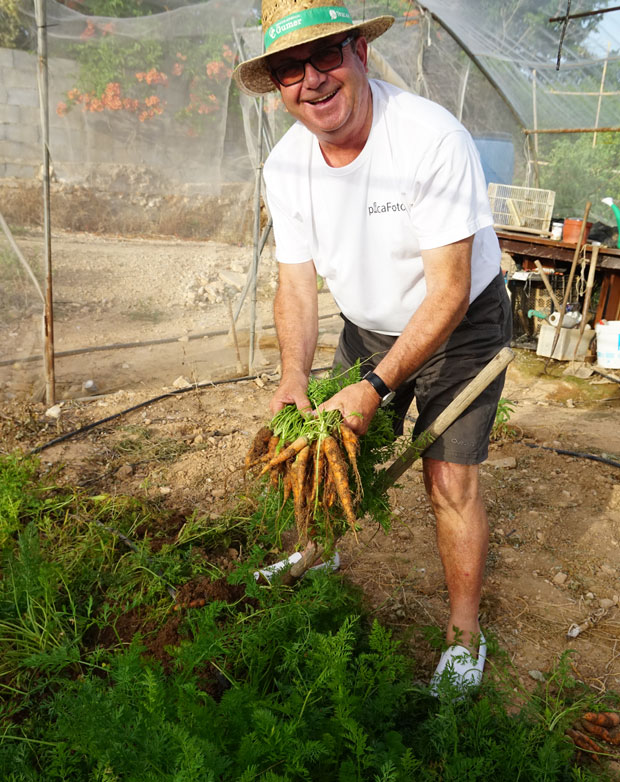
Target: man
column 382, row 194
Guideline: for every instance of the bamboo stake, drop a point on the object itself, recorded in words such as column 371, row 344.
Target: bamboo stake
column 535, row 110
column 19, row 254
column 233, row 330
column 600, row 96
column 48, row 319
column 571, row 130
column 463, row 90
column 256, row 255
column 569, row 285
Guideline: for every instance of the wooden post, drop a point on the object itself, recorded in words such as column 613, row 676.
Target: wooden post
column 48, row 319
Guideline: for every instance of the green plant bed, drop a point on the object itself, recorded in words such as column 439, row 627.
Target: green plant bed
column 107, row 673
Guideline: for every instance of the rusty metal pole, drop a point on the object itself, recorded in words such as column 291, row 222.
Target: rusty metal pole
column 48, row 317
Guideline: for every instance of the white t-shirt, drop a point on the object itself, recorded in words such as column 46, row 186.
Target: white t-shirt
column 417, row 184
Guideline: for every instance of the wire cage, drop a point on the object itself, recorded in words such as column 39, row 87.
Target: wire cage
column 525, row 209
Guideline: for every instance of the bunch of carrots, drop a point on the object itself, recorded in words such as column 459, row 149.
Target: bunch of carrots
column 312, row 468
column 320, row 464
column 604, row 725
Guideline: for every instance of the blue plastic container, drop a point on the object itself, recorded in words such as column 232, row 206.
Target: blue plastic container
column 497, row 154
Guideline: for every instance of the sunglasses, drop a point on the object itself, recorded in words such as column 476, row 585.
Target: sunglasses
column 324, row 60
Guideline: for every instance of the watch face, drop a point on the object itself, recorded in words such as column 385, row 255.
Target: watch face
column 388, row 398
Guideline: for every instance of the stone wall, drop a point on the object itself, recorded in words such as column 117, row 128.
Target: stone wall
column 20, row 138
column 109, row 151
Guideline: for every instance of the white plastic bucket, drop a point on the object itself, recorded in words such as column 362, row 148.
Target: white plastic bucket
column 608, row 344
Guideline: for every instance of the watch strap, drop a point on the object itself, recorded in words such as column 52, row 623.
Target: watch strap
column 375, row 381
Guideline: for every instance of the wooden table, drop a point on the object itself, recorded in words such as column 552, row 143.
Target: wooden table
column 526, row 248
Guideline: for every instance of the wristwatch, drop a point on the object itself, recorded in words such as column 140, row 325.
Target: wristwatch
column 380, row 387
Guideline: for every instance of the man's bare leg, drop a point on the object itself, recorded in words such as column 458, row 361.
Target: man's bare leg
column 463, row 538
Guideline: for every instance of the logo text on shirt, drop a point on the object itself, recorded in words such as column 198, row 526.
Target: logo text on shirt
column 376, row 208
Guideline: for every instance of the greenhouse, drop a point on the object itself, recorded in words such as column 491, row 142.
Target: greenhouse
column 180, row 602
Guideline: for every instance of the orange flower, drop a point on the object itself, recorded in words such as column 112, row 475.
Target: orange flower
column 177, row 69
column 61, row 109
column 88, row 31
column 181, row 56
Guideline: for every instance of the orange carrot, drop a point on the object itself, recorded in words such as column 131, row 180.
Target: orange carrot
column 258, row 447
column 275, row 475
column 294, row 481
column 286, row 453
column 329, row 491
column 318, row 467
column 351, row 446
column 308, row 485
column 299, row 476
column 584, row 742
column 339, row 471
column 271, row 448
column 301, row 461
column 597, row 730
column 286, row 493
column 608, row 719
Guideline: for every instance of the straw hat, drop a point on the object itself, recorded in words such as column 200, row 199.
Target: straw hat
column 288, row 23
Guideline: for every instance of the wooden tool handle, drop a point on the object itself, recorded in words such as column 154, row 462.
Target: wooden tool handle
column 547, row 284
column 569, row 284
column 483, row 379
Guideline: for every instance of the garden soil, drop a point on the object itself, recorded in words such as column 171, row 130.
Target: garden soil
column 554, row 557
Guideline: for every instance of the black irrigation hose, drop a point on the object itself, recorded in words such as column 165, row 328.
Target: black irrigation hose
column 193, row 387
column 579, row 454
column 131, row 545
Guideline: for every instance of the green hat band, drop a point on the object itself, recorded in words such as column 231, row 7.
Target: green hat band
column 307, row 18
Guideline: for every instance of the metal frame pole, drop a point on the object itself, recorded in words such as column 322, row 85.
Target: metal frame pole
column 257, row 249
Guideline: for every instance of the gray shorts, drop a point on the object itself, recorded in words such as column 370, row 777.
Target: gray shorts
column 483, row 332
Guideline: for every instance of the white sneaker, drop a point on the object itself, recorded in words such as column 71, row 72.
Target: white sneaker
column 270, row 571
column 459, row 669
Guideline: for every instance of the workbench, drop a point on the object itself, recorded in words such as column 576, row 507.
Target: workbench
column 558, row 255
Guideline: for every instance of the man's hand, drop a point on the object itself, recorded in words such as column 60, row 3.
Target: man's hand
column 291, row 391
column 357, row 403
